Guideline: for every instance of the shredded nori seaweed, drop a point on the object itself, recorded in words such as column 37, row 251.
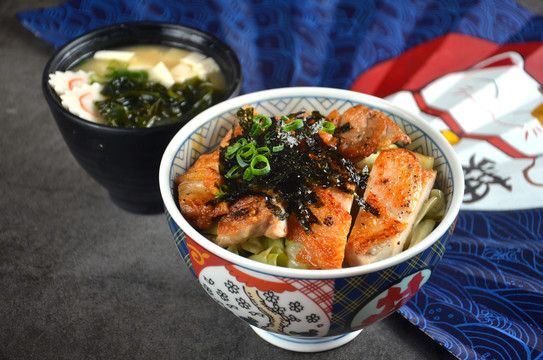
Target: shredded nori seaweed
column 305, row 161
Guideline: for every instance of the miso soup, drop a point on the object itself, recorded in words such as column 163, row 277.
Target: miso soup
column 140, row 86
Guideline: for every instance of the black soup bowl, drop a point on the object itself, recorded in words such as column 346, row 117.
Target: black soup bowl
column 125, row 161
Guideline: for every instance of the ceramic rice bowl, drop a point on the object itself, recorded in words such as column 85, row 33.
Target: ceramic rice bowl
column 307, row 310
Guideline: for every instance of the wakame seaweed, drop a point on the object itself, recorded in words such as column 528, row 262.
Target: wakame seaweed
column 133, row 101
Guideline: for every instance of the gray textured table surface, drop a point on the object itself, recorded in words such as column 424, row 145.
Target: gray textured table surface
column 80, row 278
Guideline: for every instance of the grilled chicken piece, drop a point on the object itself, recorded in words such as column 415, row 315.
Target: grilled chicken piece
column 197, row 187
column 370, row 130
column 324, row 246
column 345, row 200
column 397, row 188
column 247, row 218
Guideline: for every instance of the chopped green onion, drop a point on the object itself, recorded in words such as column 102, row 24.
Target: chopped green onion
column 257, row 160
column 221, row 190
column 265, row 124
column 258, row 126
column 328, row 127
column 248, row 174
column 255, row 129
column 253, row 169
column 279, row 147
column 234, row 172
column 296, row 124
column 247, row 151
column 232, row 149
column 264, row 150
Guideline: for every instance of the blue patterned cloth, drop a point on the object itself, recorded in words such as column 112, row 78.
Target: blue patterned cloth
column 296, row 43
column 486, row 298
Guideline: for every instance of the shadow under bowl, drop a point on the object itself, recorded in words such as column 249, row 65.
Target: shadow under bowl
column 125, row 161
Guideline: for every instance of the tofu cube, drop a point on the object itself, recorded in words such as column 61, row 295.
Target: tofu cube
column 114, row 55
column 206, row 68
column 193, row 58
column 182, row 72
column 161, row 74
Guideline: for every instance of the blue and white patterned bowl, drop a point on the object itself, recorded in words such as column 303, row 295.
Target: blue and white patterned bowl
column 307, row 310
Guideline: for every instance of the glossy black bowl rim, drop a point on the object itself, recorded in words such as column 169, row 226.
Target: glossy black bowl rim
column 52, row 98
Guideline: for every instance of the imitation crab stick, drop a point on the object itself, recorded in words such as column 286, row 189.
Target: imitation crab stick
column 63, row 81
column 80, row 101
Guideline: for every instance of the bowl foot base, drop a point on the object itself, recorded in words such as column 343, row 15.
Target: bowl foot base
column 305, row 344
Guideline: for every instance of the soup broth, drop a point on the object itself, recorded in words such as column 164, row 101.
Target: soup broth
column 145, row 57
column 140, row 86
